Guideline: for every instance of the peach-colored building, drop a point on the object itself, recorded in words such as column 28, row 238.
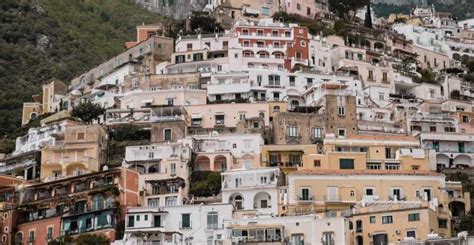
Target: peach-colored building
column 79, row 149
column 223, row 117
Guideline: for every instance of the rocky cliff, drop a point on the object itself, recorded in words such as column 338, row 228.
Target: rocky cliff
column 176, row 9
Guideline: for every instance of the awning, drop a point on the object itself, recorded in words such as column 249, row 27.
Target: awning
column 196, row 116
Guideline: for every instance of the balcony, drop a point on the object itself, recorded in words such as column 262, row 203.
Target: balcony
column 185, row 225
column 306, row 199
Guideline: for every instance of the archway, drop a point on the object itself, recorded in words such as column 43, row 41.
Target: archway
column 442, row 161
column 75, row 169
column 457, row 208
column 262, row 200
column 220, row 163
column 155, row 168
column 378, row 47
column 463, row 161
column 359, row 240
column 137, row 167
column 237, row 200
column 203, row 163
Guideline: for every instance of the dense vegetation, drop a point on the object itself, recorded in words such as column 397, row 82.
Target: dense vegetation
column 45, row 39
column 384, row 10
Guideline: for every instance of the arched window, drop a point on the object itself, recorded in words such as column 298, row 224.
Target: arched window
column 33, row 115
column 298, row 6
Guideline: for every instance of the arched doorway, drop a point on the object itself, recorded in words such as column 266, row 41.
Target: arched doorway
column 359, row 240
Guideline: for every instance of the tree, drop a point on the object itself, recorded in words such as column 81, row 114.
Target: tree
column 345, row 8
column 368, row 16
column 467, row 223
column 87, row 111
column 470, row 66
column 92, row 239
column 204, row 22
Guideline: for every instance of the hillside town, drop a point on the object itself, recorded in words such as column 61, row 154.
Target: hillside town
column 259, row 133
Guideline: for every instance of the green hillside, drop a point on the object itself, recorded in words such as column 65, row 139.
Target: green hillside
column 42, row 39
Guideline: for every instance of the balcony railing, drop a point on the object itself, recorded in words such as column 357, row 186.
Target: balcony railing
column 185, row 226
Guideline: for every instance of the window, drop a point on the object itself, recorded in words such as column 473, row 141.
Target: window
column 276, row 109
column 328, row 238
column 317, row 163
column 49, row 233
column 151, row 155
column 292, row 131
column 388, row 219
column 346, row 163
column 341, row 132
column 372, row 219
column 392, row 166
column 318, row 133
column 173, row 169
column 341, row 111
column 131, row 221
column 138, row 217
column 153, row 202
column 371, row 75
column 219, row 119
column 411, row 234
column 274, row 33
column 157, row 221
column 238, row 182
column 305, row 194
column 414, row 217
column 212, row 220
column 81, row 136
column 443, row 223
column 265, row 11
column 369, row 191
column 31, row 236
column 287, row 33
column 276, row 96
column 185, row 221
column 274, row 80
column 242, row 117
column 381, row 96
column 171, row 201
column 263, row 180
column 384, row 77
column 292, row 80
column 189, row 46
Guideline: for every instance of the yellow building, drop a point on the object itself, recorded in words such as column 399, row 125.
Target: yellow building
column 49, row 101
column 288, row 157
column 80, row 149
column 389, row 223
column 372, row 152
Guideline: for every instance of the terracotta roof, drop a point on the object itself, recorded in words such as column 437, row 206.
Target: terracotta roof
column 364, row 172
column 390, row 137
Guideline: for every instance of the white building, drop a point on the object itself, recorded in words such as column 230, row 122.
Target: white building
column 189, row 224
column 39, row 137
column 225, row 151
column 164, row 169
column 252, row 190
column 307, row 229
